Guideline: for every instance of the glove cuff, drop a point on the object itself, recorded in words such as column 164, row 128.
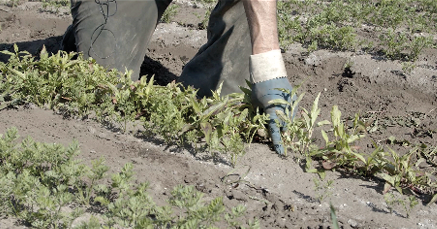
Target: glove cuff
column 266, row 66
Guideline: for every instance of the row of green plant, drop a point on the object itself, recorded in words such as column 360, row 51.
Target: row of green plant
column 208, row 5
column 54, row 6
column 44, row 185
column 401, row 29
column 398, row 25
column 219, row 124
column 404, row 27
column 340, row 153
column 82, row 87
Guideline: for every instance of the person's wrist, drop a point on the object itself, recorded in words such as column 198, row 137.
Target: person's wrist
column 258, row 49
column 266, row 66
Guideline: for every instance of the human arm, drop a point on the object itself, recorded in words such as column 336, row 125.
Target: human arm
column 267, row 67
column 261, row 15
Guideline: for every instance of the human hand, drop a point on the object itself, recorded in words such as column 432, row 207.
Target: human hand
column 266, row 91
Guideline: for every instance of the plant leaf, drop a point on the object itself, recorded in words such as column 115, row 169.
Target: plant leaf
column 325, row 137
column 324, row 122
column 207, row 130
column 359, row 156
column 279, row 102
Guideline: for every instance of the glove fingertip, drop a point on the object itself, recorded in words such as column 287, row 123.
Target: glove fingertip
column 276, row 138
column 279, row 149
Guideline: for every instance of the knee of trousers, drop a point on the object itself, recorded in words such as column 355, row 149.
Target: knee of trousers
column 115, row 34
column 224, row 59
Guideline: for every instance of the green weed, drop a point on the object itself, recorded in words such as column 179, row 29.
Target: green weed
column 333, row 217
column 54, row 6
column 169, row 13
column 221, row 125
column 408, row 204
column 323, row 189
column 209, row 6
column 408, row 67
column 81, row 88
column 13, row 3
column 334, row 25
column 339, row 152
column 399, row 47
column 39, row 180
column 40, row 184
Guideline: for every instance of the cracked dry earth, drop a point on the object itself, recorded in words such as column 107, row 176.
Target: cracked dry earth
column 278, row 191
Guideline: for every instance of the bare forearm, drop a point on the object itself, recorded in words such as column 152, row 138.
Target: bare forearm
column 261, row 15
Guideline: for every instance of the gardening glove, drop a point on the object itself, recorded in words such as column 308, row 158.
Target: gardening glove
column 267, row 72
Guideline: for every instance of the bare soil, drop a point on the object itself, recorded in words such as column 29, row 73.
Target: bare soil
column 278, row 191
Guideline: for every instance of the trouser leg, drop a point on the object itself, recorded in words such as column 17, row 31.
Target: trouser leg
column 114, row 32
column 117, row 34
column 225, row 56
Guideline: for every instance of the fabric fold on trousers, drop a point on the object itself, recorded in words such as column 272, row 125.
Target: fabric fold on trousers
column 116, row 34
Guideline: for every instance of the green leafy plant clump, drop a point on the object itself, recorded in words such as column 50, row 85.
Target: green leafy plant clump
column 43, row 185
column 404, row 27
column 55, row 5
column 340, row 153
column 82, row 87
column 209, row 6
column 220, row 125
column 169, row 13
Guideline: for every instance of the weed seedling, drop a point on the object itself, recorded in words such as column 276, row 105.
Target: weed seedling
column 333, row 217
column 40, row 182
column 169, row 13
column 323, row 189
column 408, row 204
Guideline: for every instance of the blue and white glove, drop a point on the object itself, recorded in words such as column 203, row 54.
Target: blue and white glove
column 267, row 72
